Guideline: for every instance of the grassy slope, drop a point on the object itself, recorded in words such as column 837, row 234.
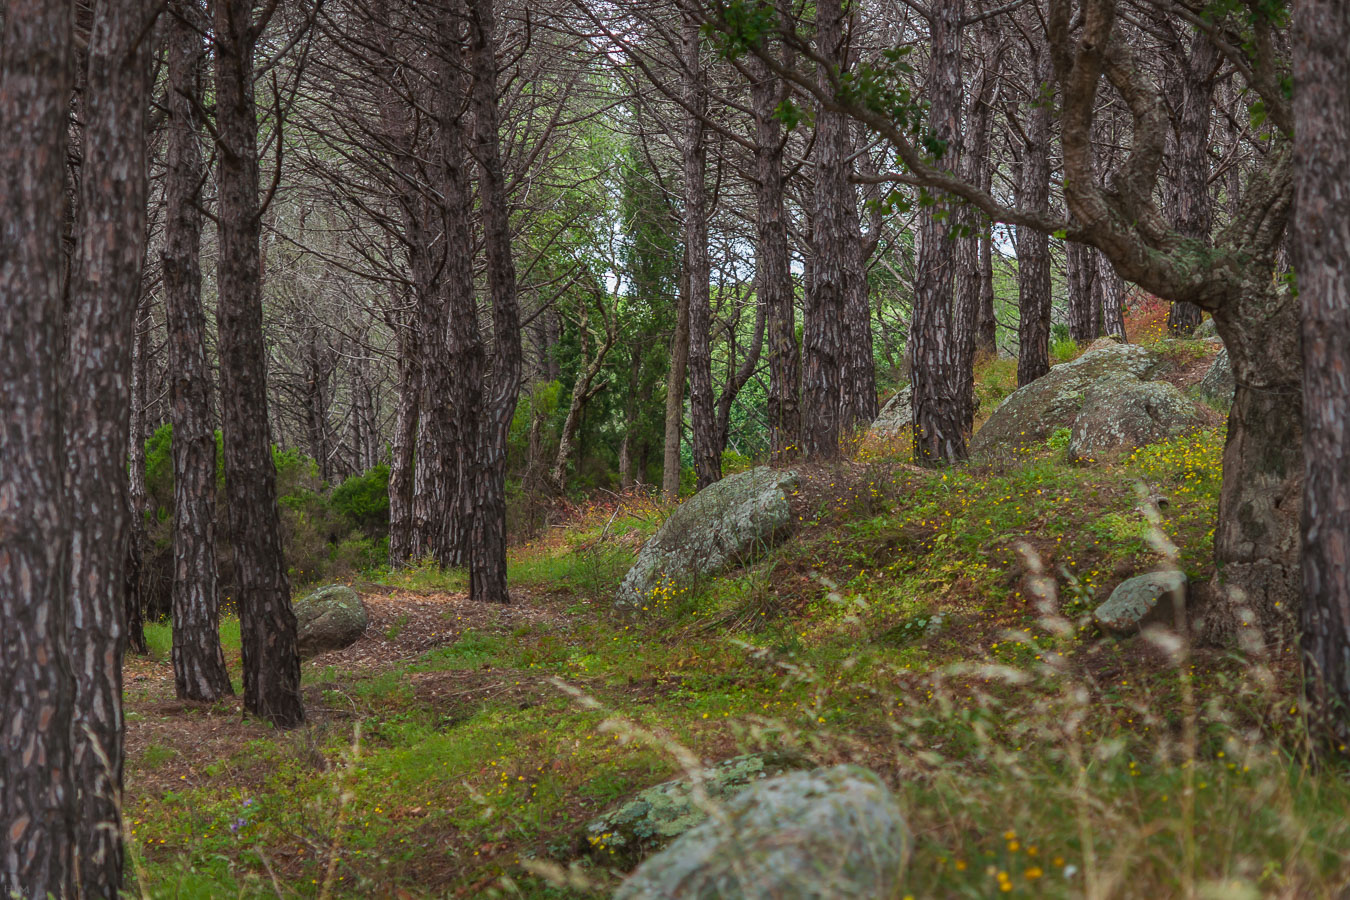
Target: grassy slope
column 1034, row 757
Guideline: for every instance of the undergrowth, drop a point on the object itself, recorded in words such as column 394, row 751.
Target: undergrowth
column 934, row 626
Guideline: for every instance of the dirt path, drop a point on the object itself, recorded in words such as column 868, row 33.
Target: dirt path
column 174, row 743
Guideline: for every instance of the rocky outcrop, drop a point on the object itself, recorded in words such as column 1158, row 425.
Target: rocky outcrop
column 1032, row 413
column 1141, row 600
column 829, row 833
column 725, row 524
column 896, row 415
column 1218, row 384
column 660, row 814
column 1120, row 412
column 330, row 618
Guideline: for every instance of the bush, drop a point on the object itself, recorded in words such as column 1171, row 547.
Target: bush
column 364, row 499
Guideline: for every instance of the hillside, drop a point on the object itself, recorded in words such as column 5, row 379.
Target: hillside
column 458, row 749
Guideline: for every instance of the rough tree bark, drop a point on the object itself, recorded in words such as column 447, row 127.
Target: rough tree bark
column 461, row 418
column 697, row 268
column 1110, row 298
column 773, row 273
column 823, row 328
column 969, row 283
column 1190, row 179
column 133, row 600
column 939, row 420
column 487, row 570
column 1084, row 295
column 198, row 663
column 37, row 812
column 271, row 663
column 104, row 291
column 1033, row 244
column 1322, row 236
column 401, row 459
column 858, row 378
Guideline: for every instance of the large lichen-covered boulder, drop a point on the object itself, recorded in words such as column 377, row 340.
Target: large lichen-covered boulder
column 1140, row 601
column 1120, row 412
column 828, row 833
column 330, row 618
column 896, row 415
column 660, row 814
column 726, row 523
column 1032, row 413
column 1218, row 384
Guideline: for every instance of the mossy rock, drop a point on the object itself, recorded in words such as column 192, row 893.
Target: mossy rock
column 1218, row 385
column 1032, row 413
column 331, row 618
column 896, row 415
column 836, row 832
column 1122, row 413
column 730, row 522
column 1141, row 600
column 658, row 815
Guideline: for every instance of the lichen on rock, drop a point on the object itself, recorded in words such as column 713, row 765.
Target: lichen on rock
column 727, row 523
column 836, row 832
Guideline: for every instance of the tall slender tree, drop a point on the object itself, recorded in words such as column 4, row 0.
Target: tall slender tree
column 1191, row 204
column 773, row 272
column 823, row 331
column 488, row 543
column 104, row 291
column 1033, row 244
column 697, row 274
column 939, row 420
column 37, row 811
column 198, row 662
column 271, row 662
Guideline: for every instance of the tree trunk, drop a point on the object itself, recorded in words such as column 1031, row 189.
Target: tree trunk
column 1322, row 236
column 38, row 836
column 858, row 389
column 401, row 461
column 1190, row 182
column 271, row 663
column 1111, row 298
column 773, row 273
column 1033, row 246
column 462, row 416
column 133, row 599
column 199, row 670
column 969, row 280
column 694, row 156
column 488, row 544
column 986, row 331
column 104, row 290
column 823, row 332
column 939, row 419
column 1256, row 543
column 1084, row 312
column 679, row 361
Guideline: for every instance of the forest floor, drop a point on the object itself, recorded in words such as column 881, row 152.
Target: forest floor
column 458, row 750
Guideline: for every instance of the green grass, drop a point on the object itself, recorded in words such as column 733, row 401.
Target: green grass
column 159, row 637
column 898, row 630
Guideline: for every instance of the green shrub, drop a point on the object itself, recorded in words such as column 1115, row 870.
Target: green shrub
column 364, row 499
column 1065, row 350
